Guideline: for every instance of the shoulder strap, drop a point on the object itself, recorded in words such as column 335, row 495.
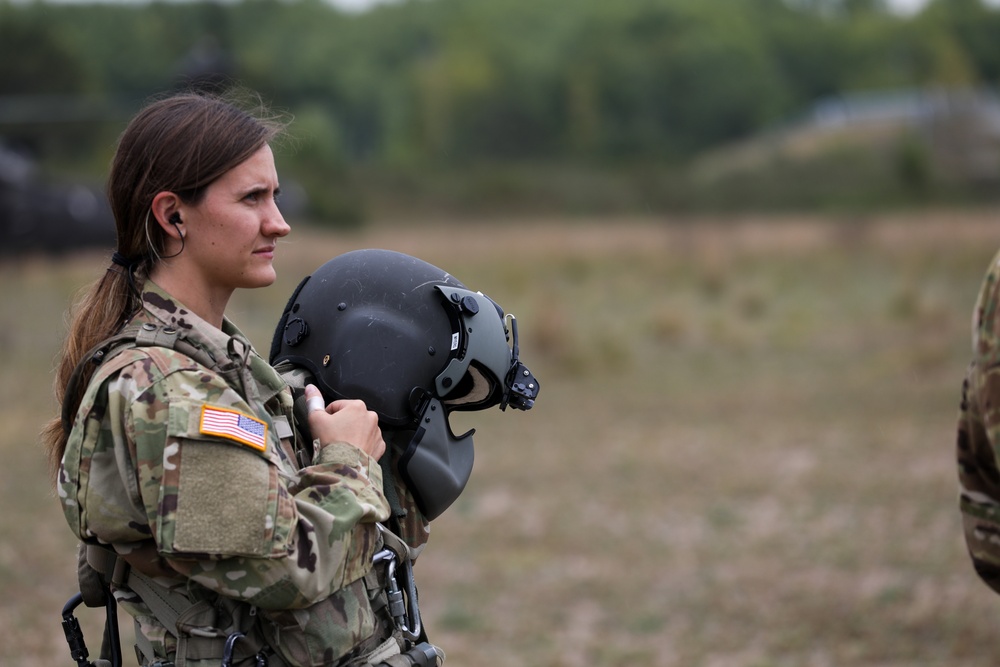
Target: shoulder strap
column 134, row 335
column 94, row 356
column 191, row 622
column 166, row 605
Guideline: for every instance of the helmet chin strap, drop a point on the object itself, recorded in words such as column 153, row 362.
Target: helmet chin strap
column 436, row 464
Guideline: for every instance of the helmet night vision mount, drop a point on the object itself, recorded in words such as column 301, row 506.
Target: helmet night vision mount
column 414, row 344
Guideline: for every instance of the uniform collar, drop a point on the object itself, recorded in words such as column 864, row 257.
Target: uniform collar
column 162, row 308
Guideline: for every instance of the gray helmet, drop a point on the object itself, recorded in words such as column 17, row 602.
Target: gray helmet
column 414, row 344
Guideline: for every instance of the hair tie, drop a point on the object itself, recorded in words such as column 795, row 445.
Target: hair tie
column 123, row 261
column 130, row 265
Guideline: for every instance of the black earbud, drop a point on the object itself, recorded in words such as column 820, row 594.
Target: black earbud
column 175, row 220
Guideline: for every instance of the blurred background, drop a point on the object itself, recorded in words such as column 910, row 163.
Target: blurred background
column 743, row 240
column 585, row 107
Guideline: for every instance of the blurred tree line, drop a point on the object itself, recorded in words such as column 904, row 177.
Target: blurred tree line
column 465, row 105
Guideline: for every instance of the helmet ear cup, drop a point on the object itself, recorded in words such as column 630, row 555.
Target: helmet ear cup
column 475, row 391
column 279, row 331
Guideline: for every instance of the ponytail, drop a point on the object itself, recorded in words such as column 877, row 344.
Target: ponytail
column 99, row 314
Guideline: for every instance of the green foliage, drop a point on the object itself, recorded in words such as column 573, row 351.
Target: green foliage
column 913, row 165
column 316, row 162
column 439, row 86
column 43, row 63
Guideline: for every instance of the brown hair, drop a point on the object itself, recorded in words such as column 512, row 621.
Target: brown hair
column 179, row 144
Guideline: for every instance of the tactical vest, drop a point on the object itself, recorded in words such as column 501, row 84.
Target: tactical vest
column 223, row 631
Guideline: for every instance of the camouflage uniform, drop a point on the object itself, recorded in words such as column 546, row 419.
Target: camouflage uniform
column 978, row 442
column 203, row 484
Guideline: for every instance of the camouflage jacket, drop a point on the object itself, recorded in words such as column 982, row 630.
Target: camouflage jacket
column 207, row 488
column 978, row 442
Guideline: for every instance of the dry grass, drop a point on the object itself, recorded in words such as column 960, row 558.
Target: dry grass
column 741, row 456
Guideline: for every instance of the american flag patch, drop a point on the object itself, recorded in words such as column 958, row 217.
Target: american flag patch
column 234, row 425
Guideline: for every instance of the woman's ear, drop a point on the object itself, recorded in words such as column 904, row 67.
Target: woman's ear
column 166, row 210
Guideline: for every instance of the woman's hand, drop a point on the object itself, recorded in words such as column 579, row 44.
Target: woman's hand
column 347, row 421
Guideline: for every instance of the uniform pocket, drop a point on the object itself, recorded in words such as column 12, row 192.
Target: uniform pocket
column 218, row 495
column 320, row 635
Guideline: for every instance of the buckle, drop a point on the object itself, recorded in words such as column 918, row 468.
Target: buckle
column 227, row 653
column 406, row 620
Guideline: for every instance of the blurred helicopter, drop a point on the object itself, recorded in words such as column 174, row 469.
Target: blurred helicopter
column 37, row 215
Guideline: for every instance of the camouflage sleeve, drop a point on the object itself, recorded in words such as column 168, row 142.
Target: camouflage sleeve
column 978, row 438
column 413, row 526
column 221, row 507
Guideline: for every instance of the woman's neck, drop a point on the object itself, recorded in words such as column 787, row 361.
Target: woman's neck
column 204, row 301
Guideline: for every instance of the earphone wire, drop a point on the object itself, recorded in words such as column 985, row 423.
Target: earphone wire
column 149, row 240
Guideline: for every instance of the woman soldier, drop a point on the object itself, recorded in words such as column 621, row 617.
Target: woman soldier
column 178, row 454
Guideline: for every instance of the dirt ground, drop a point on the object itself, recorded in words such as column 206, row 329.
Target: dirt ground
column 741, row 455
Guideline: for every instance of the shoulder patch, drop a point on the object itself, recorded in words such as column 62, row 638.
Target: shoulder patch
column 233, row 425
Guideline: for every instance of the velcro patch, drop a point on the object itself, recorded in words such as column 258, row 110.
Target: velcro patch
column 233, row 425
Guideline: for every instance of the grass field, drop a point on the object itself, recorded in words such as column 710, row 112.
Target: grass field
column 741, row 455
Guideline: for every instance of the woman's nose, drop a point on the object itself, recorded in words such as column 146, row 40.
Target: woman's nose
column 275, row 224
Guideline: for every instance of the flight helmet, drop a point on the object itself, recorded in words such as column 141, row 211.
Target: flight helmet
column 414, row 344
